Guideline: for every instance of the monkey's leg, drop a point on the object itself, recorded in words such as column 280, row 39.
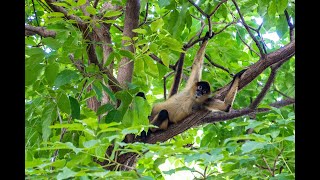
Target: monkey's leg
column 226, row 104
column 161, row 120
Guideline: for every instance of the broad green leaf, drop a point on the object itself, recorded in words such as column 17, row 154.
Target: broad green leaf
column 33, row 68
column 64, row 104
column 66, row 173
column 165, row 58
column 140, row 31
column 252, row 145
column 109, row 92
column 91, row 143
column 104, row 108
column 49, row 115
column 52, row 43
column 55, row 14
column 91, row 10
column 127, row 54
column 96, row 86
column 156, row 25
column 51, row 72
column 111, row 13
column 110, row 59
column 173, row 44
column 281, row 6
column 163, row 3
column 75, row 108
column 65, row 77
column 272, row 9
column 99, row 53
column 81, row 2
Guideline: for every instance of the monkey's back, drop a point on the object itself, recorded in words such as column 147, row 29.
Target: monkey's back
column 179, row 106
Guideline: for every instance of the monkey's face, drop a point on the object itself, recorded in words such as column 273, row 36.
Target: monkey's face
column 202, row 91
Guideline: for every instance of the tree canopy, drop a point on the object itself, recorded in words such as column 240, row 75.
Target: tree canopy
column 85, row 61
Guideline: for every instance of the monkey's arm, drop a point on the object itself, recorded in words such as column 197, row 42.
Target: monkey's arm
column 196, row 71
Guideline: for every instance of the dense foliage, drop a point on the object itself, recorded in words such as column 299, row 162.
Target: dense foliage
column 65, row 138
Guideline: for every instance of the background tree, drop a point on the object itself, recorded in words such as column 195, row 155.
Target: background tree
column 85, row 61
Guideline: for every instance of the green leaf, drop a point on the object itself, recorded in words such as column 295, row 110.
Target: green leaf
column 74, row 126
column 140, row 31
column 91, row 143
column 81, row 2
column 75, row 108
column 51, row 42
column 282, row 26
column 172, row 44
column 109, row 92
column 64, row 104
column 281, row 6
column 252, row 145
column 99, row 53
column 163, row 3
column 51, row 72
column 157, row 25
column 127, row 54
column 33, row 68
column 110, row 59
column 91, row 10
column 65, row 77
column 49, row 114
column 272, row 9
column 55, row 14
column 66, row 173
column 96, row 86
column 111, row 13
column 165, row 58
column 104, row 108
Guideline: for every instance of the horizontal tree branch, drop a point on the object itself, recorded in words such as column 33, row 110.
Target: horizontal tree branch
column 204, row 117
column 42, row 31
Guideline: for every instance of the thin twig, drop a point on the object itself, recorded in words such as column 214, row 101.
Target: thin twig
column 252, row 50
column 35, row 13
column 217, row 65
column 275, row 161
column 264, row 159
column 233, row 22
column 248, row 29
column 291, row 26
column 217, row 7
column 95, row 3
column 118, row 27
column 146, row 15
column 198, row 8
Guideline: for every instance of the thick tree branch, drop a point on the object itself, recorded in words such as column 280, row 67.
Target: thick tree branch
column 131, row 21
column 281, row 55
column 42, row 31
column 203, row 117
column 55, row 8
column 264, row 90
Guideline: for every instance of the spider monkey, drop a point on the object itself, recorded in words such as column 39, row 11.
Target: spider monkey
column 195, row 96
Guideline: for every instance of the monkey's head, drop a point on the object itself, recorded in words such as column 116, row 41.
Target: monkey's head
column 202, row 91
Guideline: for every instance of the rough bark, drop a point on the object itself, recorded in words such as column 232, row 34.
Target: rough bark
column 131, row 22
